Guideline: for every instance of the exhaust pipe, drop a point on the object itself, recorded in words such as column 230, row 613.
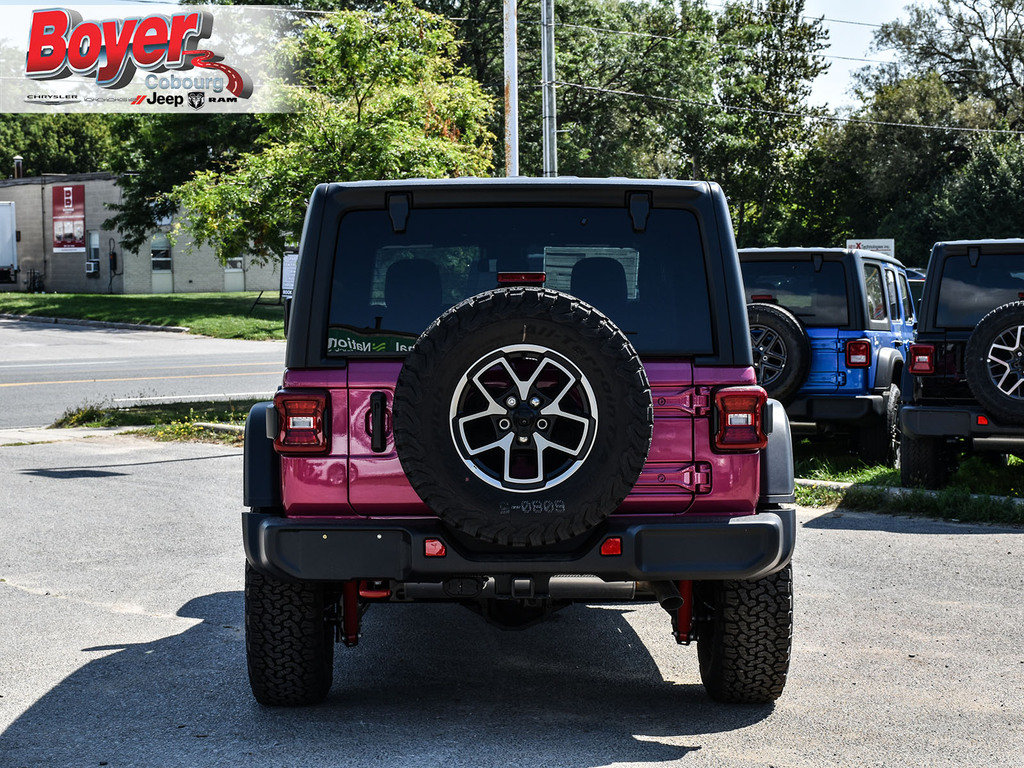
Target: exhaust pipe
column 667, row 595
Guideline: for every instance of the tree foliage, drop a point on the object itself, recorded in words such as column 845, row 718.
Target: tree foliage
column 378, row 97
column 58, row 143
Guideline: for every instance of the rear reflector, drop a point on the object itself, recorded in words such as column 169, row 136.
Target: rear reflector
column 922, row 359
column 983, row 421
column 858, row 353
column 434, row 548
column 302, row 416
column 612, row 546
column 521, row 278
column 740, row 412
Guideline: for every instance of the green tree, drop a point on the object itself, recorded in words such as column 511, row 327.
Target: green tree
column 378, row 96
column 58, row 143
column 982, row 197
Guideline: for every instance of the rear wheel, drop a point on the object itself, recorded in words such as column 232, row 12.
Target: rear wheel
column 289, row 641
column 745, row 637
column 925, row 462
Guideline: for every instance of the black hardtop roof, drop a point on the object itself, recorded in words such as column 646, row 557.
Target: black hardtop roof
column 1015, row 242
column 805, row 251
column 623, row 182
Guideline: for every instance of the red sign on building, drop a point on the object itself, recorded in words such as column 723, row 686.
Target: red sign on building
column 69, row 219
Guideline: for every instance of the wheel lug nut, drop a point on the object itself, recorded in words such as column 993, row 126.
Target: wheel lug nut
column 523, row 439
column 535, row 401
column 511, row 402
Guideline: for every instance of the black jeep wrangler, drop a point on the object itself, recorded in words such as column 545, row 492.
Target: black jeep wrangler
column 964, row 381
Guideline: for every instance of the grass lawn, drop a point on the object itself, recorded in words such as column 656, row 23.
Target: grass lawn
column 223, row 315
column 166, row 421
column 964, row 499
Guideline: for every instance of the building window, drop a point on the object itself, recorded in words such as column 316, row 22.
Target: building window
column 160, row 251
column 92, row 255
column 233, row 265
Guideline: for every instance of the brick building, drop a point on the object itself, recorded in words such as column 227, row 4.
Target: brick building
column 62, row 246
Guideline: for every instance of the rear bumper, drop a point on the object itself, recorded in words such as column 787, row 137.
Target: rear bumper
column 961, row 422
column 653, row 549
column 837, row 408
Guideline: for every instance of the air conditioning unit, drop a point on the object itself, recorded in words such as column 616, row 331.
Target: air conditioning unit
column 92, row 268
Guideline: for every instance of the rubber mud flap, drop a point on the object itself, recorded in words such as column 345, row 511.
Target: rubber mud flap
column 522, row 417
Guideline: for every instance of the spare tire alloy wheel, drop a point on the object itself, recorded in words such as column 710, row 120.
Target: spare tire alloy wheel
column 995, row 362
column 770, row 354
column 781, row 350
column 522, row 417
column 1006, row 362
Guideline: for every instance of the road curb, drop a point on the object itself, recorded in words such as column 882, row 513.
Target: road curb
column 95, row 323
column 836, row 485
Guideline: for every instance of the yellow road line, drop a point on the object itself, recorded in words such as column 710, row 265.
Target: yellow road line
column 138, row 378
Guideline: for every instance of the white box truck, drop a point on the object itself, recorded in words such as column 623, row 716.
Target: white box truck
column 8, row 244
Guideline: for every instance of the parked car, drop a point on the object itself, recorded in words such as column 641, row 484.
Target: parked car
column 964, row 384
column 828, row 328
column 516, row 395
column 915, row 278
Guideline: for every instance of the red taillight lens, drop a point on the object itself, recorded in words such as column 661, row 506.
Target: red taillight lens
column 612, row 546
column 858, row 353
column 983, row 421
column 301, row 421
column 434, row 548
column 740, row 419
column 922, row 359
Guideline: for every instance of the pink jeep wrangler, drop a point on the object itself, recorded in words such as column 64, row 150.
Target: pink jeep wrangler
column 517, row 394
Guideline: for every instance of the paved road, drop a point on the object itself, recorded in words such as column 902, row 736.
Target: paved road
column 46, row 369
column 121, row 644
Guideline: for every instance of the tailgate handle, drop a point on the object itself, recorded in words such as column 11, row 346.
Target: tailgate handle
column 378, row 437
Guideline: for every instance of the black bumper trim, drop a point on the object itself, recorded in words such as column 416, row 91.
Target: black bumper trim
column 653, row 549
column 939, row 421
column 838, row 408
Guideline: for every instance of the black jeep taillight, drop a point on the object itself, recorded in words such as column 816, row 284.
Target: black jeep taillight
column 740, row 416
column 858, row 353
column 301, row 421
column 922, row 359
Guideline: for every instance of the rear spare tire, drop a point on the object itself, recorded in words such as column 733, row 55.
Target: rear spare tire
column 995, row 362
column 523, row 417
column 781, row 349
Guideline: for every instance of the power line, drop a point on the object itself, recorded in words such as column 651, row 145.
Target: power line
column 631, row 33
column 790, row 114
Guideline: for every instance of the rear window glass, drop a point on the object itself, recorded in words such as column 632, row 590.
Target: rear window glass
column 967, row 294
column 388, row 287
column 875, row 294
column 817, row 298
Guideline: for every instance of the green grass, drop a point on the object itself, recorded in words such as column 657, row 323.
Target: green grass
column 167, row 421
column 223, row 315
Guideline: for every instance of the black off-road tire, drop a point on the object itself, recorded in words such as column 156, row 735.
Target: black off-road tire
column 289, row 645
column 879, row 439
column 925, row 462
column 798, row 349
column 451, row 346
column 745, row 640
column 1006, row 409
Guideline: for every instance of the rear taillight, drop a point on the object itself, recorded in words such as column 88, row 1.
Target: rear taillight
column 740, row 414
column 922, row 359
column 301, row 421
column 858, row 353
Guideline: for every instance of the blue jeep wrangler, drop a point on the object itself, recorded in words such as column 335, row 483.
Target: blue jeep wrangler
column 828, row 327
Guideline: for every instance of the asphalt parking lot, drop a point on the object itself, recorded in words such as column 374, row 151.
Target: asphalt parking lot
column 121, row 645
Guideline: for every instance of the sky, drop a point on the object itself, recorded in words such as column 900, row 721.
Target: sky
column 850, row 40
column 846, row 39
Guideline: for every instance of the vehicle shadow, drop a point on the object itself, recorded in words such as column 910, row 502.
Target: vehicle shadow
column 428, row 684
column 845, row 520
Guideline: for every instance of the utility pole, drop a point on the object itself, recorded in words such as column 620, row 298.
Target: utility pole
column 511, row 44
column 549, row 122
